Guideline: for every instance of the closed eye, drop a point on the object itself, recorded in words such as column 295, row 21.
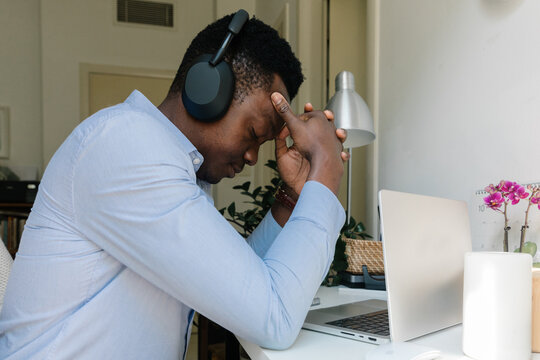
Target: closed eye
column 255, row 136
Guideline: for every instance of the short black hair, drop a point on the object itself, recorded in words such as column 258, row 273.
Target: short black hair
column 255, row 55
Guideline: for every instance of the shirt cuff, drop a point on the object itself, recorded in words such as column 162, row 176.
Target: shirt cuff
column 264, row 234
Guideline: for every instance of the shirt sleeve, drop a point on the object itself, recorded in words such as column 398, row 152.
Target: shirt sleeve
column 264, row 234
column 136, row 197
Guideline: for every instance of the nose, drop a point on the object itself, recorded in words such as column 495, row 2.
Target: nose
column 251, row 155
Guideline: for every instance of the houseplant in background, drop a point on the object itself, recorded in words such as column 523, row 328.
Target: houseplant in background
column 262, row 199
column 507, row 193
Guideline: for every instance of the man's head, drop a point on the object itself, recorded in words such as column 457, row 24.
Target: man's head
column 255, row 55
column 262, row 63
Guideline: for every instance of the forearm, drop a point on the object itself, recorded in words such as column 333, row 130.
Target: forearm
column 296, row 262
column 269, row 228
column 262, row 238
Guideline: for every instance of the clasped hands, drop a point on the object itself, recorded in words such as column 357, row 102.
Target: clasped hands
column 317, row 150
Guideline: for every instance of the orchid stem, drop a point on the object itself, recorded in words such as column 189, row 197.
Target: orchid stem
column 526, row 225
column 506, row 228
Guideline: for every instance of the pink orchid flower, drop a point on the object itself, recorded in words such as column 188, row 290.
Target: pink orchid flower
column 518, row 194
column 494, row 200
column 508, row 186
column 536, row 199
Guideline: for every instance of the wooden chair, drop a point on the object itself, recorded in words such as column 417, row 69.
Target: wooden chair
column 215, row 342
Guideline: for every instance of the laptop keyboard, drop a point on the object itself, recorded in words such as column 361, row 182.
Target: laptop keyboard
column 375, row 323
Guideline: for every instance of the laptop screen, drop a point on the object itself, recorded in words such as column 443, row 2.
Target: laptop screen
column 424, row 241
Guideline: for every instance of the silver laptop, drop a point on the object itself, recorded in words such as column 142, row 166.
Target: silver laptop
column 424, row 242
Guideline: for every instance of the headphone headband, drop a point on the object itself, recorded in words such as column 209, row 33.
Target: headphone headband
column 235, row 26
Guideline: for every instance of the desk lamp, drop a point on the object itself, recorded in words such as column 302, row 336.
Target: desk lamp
column 352, row 114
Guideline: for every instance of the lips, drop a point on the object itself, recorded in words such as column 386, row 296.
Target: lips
column 238, row 169
column 235, row 170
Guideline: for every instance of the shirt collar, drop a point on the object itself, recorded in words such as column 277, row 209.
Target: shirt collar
column 139, row 101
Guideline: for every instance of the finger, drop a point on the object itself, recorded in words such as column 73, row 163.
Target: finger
column 345, row 156
column 281, row 143
column 283, row 109
column 308, row 107
column 283, row 133
column 329, row 114
column 304, row 116
column 341, row 134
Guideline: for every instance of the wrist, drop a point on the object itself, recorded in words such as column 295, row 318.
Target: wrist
column 290, row 191
column 329, row 175
column 286, row 196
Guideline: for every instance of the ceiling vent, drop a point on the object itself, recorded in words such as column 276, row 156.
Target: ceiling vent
column 145, row 12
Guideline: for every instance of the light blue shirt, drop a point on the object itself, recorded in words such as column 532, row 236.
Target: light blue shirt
column 122, row 243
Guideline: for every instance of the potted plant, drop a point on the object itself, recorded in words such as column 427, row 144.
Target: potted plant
column 507, row 193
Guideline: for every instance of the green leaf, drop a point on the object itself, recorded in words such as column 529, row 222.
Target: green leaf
column 530, row 248
column 536, row 265
column 231, row 209
column 256, row 192
column 360, row 227
column 272, row 164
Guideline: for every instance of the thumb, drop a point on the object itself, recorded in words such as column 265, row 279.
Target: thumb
column 283, row 109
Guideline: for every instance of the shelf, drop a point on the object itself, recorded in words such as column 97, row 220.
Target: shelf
column 12, row 221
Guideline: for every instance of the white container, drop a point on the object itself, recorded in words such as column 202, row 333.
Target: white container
column 497, row 301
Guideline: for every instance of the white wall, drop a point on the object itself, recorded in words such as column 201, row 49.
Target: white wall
column 20, row 80
column 75, row 32
column 47, row 44
column 459, row 97
column 231, row 6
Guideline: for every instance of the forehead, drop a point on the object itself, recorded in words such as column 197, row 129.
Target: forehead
column 274, row 123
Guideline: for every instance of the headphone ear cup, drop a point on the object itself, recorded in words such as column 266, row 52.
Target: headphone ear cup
column 208, row 90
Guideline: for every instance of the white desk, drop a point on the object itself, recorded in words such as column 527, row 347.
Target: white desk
column 313, row 345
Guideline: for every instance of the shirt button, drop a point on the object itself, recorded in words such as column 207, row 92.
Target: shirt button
column 196, row 161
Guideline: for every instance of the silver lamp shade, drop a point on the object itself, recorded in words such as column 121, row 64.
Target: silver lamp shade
column 351, row 112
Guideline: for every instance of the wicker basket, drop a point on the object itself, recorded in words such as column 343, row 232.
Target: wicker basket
column 364, row 252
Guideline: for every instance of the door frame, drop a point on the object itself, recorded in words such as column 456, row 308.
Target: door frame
column 86, row 69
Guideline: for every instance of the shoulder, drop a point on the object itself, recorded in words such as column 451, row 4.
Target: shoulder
column 123, row 137
column 124, row 122
column 130, row 129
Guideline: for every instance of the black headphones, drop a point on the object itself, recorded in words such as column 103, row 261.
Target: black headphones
column 209, row 84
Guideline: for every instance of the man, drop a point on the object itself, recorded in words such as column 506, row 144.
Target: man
column 123, row 241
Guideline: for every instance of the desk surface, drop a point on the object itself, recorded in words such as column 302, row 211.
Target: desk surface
column 313, row 345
